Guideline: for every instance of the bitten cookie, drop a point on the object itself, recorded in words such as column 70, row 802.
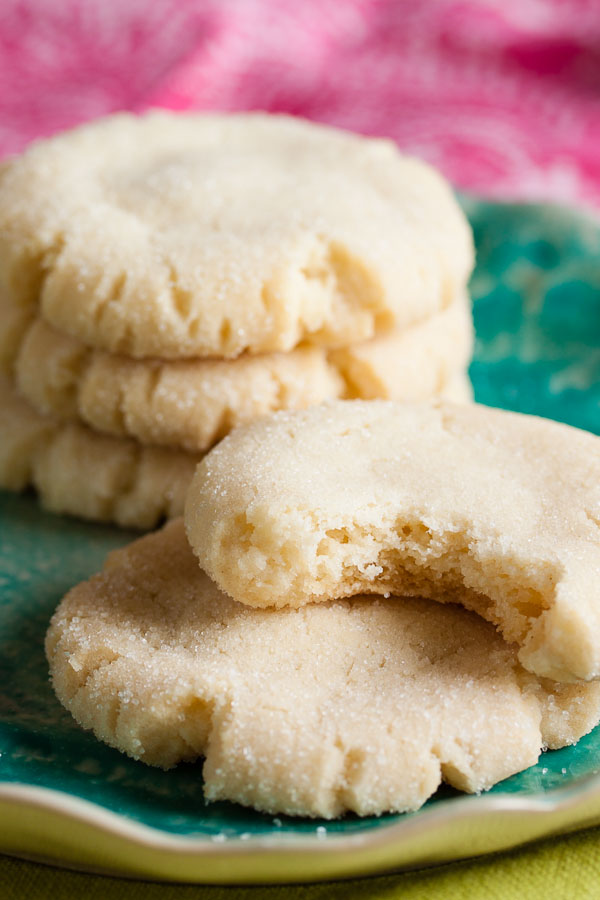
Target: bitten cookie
column 186, row 235
column 82, row 473
column 498, row 511
column 191, row 404
column 364, row 705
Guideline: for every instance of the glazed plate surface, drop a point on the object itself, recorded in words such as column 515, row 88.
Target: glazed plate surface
column 68, row 799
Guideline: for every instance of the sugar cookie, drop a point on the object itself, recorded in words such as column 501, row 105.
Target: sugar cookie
column 186, row 235
column 501, row 509
column 191, row 404
column 364, row 704
column 82, row 473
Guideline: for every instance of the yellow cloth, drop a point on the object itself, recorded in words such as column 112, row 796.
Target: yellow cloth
column 565, row 868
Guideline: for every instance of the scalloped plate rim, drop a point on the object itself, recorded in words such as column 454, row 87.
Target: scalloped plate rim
column 259, row 851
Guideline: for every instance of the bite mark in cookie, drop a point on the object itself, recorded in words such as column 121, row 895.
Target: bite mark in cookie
column 496, row 510
column 363, row 704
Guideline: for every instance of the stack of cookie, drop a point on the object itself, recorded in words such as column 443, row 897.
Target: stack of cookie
column 166, row 278
column 306, row 695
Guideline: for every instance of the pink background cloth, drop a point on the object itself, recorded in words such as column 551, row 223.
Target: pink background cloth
column 502, row 95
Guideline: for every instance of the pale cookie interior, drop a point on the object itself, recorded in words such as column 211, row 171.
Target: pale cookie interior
column 191, row 404
column 204, row 235
column 82, row 473
column 362, row 705
column 494, row 510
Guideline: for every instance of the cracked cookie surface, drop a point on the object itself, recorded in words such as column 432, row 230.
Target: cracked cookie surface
column 186, row 235
column 363, row 704
column 82, row 473
column 191, row 404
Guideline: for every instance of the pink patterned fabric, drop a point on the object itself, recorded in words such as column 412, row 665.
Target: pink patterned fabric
column 502, row 95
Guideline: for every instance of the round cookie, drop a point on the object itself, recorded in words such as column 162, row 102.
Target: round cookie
column 82, row 473
column 362, row 705
column 187, row 235
column 500, row 509
column 191, row 404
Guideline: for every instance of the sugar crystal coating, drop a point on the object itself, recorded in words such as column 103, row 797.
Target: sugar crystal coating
column 191, row 404
column 186, row 235
column 379, row 497
column 363, row 704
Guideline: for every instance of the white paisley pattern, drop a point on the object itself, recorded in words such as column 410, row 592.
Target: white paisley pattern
column 503, row 95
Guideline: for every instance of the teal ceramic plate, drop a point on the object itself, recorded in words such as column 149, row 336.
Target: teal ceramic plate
column 65, row 797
